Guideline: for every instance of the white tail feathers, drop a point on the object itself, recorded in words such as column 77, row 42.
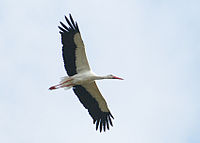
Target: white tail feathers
column 63, row 79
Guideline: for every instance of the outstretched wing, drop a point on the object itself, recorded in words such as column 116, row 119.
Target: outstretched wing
column 91, row 98
column 73, row 50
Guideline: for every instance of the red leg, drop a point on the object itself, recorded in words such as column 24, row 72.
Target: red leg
column 68, row 85
column 52, row 88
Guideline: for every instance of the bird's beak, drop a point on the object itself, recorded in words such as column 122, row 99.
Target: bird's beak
column 115, row 77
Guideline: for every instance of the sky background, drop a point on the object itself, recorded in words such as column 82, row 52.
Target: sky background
column 153, row 44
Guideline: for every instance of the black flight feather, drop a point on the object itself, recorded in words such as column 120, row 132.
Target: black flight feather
column 102, row 119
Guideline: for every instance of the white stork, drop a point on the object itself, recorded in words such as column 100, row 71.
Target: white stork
column 80, row 76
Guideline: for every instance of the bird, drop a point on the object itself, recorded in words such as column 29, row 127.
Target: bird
column 80, row 76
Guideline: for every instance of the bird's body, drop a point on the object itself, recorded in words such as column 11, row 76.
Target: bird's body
column 81, row 78
column 84, row 77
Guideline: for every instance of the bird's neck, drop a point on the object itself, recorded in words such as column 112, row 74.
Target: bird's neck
column 102, row 77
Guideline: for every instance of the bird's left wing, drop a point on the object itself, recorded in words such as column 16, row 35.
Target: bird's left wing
column 91, row 98
column 73, row 49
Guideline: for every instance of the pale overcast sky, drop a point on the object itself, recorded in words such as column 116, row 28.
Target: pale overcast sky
column 154, row 45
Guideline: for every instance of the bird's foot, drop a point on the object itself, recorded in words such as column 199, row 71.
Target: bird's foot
column 52, row 88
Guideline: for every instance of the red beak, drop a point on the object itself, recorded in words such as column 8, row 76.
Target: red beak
column 118, row 78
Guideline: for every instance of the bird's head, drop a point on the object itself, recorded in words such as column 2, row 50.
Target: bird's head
column 114, row 77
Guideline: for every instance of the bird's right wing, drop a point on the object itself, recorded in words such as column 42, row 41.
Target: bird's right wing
column 91, row 98
column 73, row 49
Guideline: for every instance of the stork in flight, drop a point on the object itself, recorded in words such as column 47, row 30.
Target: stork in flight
column 80, row 76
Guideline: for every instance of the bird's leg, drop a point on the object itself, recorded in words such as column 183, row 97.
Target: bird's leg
column 68, row 85
column 65, row 81
column 60, row 85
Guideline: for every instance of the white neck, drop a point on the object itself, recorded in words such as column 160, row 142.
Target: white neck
column 103, row 77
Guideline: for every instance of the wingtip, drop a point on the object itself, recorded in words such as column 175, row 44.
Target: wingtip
column 101, row 124
column 70, row 15
column 110, row 121
column 61, row 29
column 111, row 115
column 66, row 18
column 104, row 126
column 97, row 124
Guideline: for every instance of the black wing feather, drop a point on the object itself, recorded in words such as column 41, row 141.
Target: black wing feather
column 62, row 29
column 102, row 119
column 69, row 47
column 63, row 25
column 74, row 25
column 70, row 23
